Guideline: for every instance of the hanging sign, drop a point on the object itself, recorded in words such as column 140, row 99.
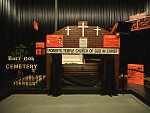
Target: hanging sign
column 134, row 76
column 83, row 50
column 138, row 16
column 83, row 42
column 35, row 24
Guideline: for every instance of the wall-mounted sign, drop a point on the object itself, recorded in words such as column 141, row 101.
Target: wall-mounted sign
column 134, row 76
column 83, row 50
column 54, row 40
column 40, row 45
column 83, row 42
column 111, row 41
column 38, row 52
column 40, row 48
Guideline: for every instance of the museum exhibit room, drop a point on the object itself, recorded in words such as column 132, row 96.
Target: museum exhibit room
column 75, row 56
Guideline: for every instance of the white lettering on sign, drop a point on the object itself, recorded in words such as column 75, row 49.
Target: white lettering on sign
column 83, row 50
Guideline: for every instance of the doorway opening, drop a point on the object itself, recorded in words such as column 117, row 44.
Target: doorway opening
column 81, row 73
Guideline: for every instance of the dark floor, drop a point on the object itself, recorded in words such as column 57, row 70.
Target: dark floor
column 79, row 103
column 140, row 91
column 4, row 94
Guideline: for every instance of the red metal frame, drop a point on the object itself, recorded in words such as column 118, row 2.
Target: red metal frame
column 113, row 29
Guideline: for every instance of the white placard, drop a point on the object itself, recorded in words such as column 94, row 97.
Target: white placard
column 68, row 58
column 83, row 42
column 83, row 50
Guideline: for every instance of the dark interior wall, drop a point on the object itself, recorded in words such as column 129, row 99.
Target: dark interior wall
column 135, row 49
column 18, row 15
column 17, row 28
column 103, row 13
column 17, row 18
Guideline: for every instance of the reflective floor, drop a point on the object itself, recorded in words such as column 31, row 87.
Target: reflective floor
column 78, row 103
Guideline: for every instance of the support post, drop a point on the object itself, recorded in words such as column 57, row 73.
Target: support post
column 56, row 14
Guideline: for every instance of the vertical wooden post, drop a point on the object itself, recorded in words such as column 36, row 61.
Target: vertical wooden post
column 56, row 14
column 137, row 24
column 48, row 71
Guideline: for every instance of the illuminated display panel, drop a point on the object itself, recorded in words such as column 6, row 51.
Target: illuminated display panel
column 54, row 40
column 111, row 41
column 134, row 76
column 40, row 45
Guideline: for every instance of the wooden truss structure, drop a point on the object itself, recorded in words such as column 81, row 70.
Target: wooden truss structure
column 140, row 21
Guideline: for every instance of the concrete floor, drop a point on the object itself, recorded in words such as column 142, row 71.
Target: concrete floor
column 73, row 104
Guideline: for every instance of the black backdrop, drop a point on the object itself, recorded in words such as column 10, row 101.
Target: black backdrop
column 107, row 72
column 17, row 18
column 135, row 49
column 18, row 15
